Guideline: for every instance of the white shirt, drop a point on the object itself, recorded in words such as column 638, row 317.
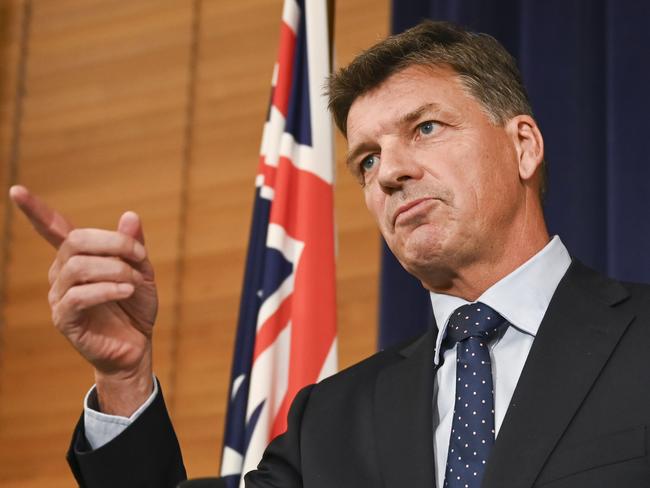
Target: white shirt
column 522, row 298
column 101, row 428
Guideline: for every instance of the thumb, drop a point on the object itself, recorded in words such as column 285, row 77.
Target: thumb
column 131, row 225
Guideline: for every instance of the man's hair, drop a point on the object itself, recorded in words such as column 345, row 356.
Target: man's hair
column 482, row 64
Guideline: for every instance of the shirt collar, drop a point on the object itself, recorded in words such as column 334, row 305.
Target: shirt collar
column 521, row 297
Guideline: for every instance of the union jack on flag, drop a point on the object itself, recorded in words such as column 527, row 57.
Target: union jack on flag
column 286, row 336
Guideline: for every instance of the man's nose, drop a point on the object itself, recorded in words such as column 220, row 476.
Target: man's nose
column 398, row 165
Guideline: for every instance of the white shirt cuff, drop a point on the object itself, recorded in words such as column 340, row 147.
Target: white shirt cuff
column 102, row 428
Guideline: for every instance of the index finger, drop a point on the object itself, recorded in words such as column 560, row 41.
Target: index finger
column 49, row 223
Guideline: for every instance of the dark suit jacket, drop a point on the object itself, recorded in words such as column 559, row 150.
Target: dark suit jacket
column 578, row 416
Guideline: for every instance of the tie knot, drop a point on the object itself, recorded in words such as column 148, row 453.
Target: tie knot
column 473, row 320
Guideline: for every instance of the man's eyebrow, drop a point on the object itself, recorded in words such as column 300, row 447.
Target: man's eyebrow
column 418, row 112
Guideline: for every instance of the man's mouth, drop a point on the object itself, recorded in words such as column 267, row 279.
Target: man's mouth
column 410, row 209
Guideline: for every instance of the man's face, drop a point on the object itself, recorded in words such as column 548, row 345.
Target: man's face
column 439, row 176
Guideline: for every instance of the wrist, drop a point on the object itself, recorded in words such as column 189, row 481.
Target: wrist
column 122, row 393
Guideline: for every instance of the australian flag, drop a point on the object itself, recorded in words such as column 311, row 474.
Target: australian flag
column 286, row 336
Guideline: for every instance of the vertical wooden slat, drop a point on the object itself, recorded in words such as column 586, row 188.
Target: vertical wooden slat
column 188, row 146
column 15, row 19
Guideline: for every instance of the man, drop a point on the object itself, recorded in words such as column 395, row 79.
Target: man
column 538, row 369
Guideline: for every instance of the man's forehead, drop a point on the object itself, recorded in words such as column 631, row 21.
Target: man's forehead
column 405, row 96
column 405, row 92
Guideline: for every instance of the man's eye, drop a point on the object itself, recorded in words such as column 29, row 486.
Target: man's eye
column 368, row 162
column 426, row 128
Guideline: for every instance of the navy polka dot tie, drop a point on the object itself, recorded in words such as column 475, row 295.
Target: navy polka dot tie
column 470, row 328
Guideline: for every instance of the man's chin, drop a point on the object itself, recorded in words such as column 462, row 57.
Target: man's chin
column 420, row 255
column 423, row 242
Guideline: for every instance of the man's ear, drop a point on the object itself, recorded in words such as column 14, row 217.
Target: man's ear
column 528, row 143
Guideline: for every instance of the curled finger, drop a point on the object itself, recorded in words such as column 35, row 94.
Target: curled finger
column 82, row 269
column 79, row 298
column 100, row 242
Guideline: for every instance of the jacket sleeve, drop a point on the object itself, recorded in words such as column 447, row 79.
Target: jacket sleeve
column 280, row 466
column 145, row 455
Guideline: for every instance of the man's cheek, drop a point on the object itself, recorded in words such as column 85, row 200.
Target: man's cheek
column 375, row 207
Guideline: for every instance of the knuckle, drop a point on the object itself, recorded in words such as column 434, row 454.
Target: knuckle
column 56, row 317
column 75, row 239
column 72, row 298
column 52, row 298
column 52, row 273
column 75, row 267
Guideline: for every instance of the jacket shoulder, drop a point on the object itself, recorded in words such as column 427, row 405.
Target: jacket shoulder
column 365, row 371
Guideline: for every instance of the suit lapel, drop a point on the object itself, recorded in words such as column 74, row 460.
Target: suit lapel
column 403, row 417
column 578, row 334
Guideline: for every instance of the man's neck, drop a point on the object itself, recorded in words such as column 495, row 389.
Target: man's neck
column 471, row 281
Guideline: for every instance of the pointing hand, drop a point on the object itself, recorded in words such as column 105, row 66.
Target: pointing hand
column 103, row 299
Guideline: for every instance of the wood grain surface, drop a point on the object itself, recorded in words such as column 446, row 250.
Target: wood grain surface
column 155, row 106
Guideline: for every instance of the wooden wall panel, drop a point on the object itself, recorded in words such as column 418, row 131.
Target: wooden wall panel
column 11, row 31
column 104, row 131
